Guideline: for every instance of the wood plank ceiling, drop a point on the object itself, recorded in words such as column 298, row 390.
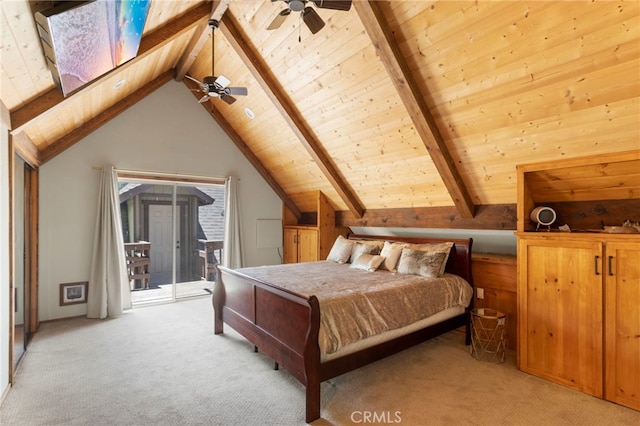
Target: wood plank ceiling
column 404, row 113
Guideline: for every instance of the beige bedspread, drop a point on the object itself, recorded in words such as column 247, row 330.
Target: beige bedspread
column 356, row 304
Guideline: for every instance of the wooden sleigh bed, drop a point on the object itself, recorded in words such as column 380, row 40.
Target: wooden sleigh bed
column 285, row 325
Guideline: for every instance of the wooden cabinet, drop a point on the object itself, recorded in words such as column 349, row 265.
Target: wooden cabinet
column 310, row 237
column 622, row 323
column 560, row 312
column 579, row 292
column 300, row 244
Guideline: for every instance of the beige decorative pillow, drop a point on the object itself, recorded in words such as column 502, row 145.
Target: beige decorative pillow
column 367, row 262
column 435, row 248
column 376, row 243
column 361, row 248
column 341, row 250
column 391, row 253
column 418, row 262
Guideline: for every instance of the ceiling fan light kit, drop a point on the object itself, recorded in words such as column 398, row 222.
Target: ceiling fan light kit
column 217, row 86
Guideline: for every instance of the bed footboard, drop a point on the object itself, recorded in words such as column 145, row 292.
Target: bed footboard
column 282, row 324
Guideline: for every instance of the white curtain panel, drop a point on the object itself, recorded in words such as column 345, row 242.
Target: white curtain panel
column 232, row 253
column 108, row 291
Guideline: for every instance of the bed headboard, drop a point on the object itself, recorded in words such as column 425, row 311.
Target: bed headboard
column 459, row 262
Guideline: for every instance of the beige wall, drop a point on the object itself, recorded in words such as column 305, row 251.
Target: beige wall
column 169, row 132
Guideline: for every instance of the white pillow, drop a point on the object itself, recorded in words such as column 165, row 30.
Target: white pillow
column 367, row 262
column 391, row 253
column 361, row 248
column 341, row 250
column 424, row 263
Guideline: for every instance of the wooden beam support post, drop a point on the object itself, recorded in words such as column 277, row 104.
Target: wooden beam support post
column 372, row 18
column 269, row 83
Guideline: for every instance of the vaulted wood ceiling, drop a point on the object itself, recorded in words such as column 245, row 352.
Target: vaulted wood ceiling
column 405, row 113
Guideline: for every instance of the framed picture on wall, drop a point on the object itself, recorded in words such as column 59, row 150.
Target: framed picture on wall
column 72, row 293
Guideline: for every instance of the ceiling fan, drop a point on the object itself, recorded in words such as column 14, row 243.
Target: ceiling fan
column 217, row 86
column 309, row 15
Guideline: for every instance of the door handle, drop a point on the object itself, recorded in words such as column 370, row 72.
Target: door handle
column 609, row 264
column 177, row 245
column 595, row 265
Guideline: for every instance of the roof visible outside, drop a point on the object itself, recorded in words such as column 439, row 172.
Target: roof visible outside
column 211, row 216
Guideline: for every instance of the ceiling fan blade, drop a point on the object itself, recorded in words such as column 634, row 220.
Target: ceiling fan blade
column 228, row 99
column 279, row 19
column 333, row 4
column 242, row 91
column 312, row 19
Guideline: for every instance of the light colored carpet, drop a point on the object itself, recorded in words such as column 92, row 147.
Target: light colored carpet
column 162, row 365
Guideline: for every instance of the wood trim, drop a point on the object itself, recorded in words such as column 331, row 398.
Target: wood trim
column 273, row 89
column 490, row 216
column 12, row 299
column 31, row 279
column 26, row 149
column 98, row 121
column 244, row 148
column 581, row 161
column 53, row 99
column 387, row 48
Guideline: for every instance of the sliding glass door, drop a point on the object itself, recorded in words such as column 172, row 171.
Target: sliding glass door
column 173, row 235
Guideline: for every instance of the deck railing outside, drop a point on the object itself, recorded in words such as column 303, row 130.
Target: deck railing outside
column 210, row 255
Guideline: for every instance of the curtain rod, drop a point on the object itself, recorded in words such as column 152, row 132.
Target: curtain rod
column 151, row 174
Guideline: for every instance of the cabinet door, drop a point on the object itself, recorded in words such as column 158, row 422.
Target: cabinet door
column 560, row 312
column 290, row 245
column 622, row 327
column 307, row 245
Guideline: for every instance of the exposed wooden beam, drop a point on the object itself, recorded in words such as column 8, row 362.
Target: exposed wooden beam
column 490, row 217
column 247, row 52
column 96, row 122
column 200, row 36
column 26, row 149
column 387, row 48
column 244, row 148
column 53, row 99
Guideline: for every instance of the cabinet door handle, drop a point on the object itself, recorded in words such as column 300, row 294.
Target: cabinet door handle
column 595, row 265
column 610, row 262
